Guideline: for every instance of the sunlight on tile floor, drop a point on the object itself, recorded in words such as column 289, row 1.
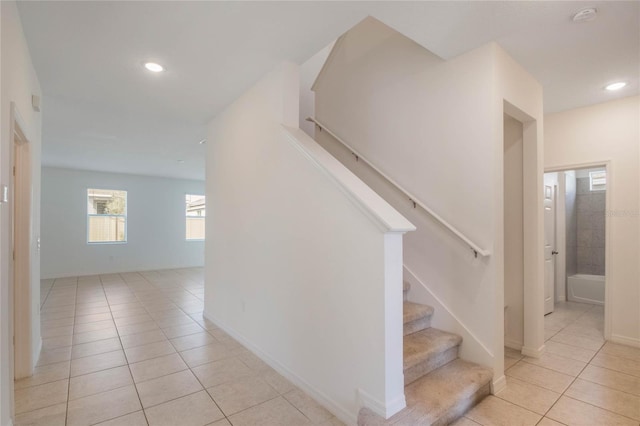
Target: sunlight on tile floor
column 580, row 380
column 134, row 349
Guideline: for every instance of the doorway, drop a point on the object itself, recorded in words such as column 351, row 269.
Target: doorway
column 20, row 286
column 578, row 241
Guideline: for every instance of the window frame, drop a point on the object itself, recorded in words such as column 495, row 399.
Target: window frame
column 187, row 217
column 126, row 213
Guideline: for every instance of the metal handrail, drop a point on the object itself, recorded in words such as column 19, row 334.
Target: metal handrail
column 416, row 203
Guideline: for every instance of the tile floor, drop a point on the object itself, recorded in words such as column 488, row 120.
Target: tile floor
column 134, row 349
column 580, row 380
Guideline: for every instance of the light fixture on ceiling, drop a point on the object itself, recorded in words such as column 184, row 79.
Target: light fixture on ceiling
column 153, row 67
column 585, row 15
column 615, row 86
column 202, row 142
column 180, row 161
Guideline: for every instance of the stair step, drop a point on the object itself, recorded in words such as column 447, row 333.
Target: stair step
column 440, row 397
column 428, row 350
column 416, row 317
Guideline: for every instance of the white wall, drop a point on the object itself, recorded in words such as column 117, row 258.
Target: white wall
column 308, row 73
column 18, row 83
column 514, row 235
column 303, row 261
column 155, row 224
column 436, row 128
column 595, row 134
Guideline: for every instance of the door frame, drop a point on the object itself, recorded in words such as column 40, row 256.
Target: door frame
column 607, row 164
column 20, row 218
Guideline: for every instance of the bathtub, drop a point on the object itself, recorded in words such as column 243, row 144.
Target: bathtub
column 586, row 288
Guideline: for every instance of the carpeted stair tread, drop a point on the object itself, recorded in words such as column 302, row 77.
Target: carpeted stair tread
column 414, row 311
column 425, row 344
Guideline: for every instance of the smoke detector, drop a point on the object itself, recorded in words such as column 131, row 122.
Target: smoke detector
column 586, row 15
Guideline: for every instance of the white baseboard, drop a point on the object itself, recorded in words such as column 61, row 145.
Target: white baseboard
column 623, row 340
column 533, row 352
column 498, row 384
column 342, row 414
column 385, row 411
column 513, row 344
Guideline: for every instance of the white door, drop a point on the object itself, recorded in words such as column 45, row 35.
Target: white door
column 549, row 251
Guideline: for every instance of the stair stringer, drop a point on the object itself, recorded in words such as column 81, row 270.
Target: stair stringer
column 471, row 349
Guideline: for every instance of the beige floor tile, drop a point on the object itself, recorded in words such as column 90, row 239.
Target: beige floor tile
column 133, row 319
column 276, row 381
column 57, row 342
column 66, row 330
column 95, row 348
column 334, row 421
column 54, row 415
column 595, row 333
column 192, row 410
column 222, row 422
column 45, row 374
column 309, row 407
column 52, row 356
column 101, row 381
column 152, row 350
column 509, row 362
column 141, row 327
column 204, row 354
column 558, row 363
column 93, row 326
column 91, row 364
column 129, row 312
column 83, row 319
column 568, row 351
column 134, row 419
column 143, row 338
column 252, row 361
column 93, row 336
column 238, row 395
column 621, row 351
column 103, row 406
column 192, row 341
column 36, row 397
column 526, row 395
column 577, row 340
column 166, row 388
column 219, row 372
column 174, row 320
column 182, row 330
column 276, row 412
column 464, row 421
column 495, row 411
column 623, row 365
column 157, row 367
column 573, row 412
column 54, row 323
column 612, row 379
column 610, row 399
column 548, row 422
column 103, row 308
column 540, row 376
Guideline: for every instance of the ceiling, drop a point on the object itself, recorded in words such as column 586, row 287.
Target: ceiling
column 103, row 111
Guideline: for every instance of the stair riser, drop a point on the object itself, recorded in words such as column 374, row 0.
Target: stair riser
column 417, row 325
column 425, row 367
column 463, row 406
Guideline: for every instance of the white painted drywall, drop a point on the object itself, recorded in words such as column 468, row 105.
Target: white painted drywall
column 435, row 127
column 514, row 235
column 155, row 224
column 609, row 131
column 300, row 264
column 18, row 82
column 309, row 70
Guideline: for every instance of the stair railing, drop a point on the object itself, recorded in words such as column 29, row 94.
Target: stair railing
column 477, row 250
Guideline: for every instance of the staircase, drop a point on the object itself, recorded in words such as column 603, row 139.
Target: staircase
column 439, row 387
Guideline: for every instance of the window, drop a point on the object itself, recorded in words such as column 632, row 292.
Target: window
column 106, row 216
column 598, row 180
column 195, row 216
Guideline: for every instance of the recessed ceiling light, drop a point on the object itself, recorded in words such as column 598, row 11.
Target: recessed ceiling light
column 202, row 142
column 616, row 86
column 586, row 15
column 180, row 161
column 153, row 67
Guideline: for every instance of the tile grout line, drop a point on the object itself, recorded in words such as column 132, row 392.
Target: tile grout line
column 66, row 412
